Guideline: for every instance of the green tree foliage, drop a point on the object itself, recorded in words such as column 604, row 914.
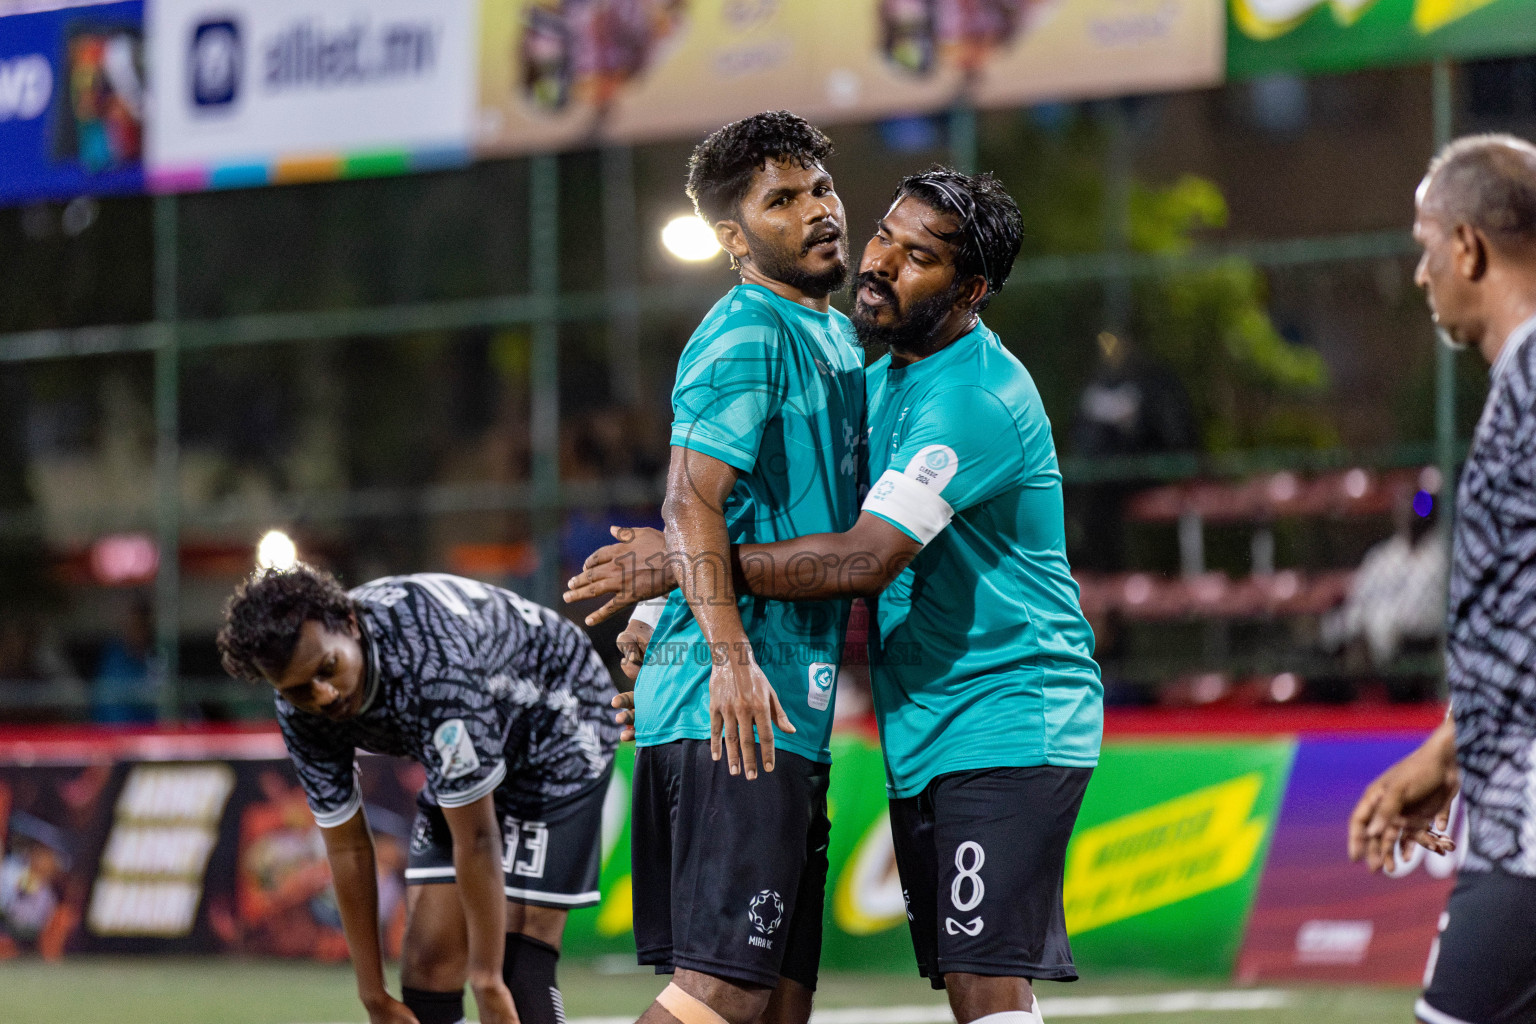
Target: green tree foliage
column 1248, row 385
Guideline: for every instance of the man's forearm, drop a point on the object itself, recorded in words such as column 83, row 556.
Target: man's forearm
column 814, row 567
column 697, row 535
column 354, row 874
column 478, row 869
column 1442, row 742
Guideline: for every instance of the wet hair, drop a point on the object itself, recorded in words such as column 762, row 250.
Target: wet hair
column 263, row 617
column 1489, row 183
column 721, row 167
column 991, row 229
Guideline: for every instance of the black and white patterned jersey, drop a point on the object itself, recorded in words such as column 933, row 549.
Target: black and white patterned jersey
column 483, row 688
column 1491, row 630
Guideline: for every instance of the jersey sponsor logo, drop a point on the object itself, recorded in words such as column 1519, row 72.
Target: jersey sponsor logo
column 882, row 490
column 766, row 912
column 455, row 748
column 934, row 466
column 823, row 680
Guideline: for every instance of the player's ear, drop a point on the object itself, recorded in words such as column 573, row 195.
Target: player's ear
column 353, row 629
column 1469, row 252
column 732, row 239
column 972, row 292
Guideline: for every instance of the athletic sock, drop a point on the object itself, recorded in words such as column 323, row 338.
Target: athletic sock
column 434, row 1007
column 529, row 970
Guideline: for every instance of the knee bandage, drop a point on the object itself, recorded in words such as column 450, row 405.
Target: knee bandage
column 687, row 1008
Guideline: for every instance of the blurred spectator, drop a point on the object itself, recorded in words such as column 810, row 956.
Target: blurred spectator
column 1398, row 593
column 1133, row 405
column 126, row 687
column 41, row 684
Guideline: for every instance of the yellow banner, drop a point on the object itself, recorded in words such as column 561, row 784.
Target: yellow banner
column 1164, row 854
column 562, row 73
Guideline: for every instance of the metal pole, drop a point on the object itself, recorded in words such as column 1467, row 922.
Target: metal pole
column 621, row 254
column 167, row 459
column 962, row 137
column 1444, row 96
column 1117, row 215
column 544, row 428
column 1445, row 359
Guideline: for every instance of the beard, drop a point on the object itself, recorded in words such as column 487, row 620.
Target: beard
column 782, row 263
column 915, row 331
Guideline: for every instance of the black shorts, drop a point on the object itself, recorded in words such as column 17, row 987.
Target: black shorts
column 552, row 851
column 1484, row 968
column 730, row 876
column 981, row 856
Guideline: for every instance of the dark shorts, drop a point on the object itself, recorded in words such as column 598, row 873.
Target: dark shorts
column 730, row 876
column 1483, row 970
column 552, row 851
column 981, row 856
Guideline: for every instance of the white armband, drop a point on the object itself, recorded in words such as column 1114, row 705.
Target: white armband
column 912, row 505
column 649, row 612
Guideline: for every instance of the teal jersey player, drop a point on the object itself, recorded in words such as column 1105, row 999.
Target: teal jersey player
column 776, row 390
column 981, row 656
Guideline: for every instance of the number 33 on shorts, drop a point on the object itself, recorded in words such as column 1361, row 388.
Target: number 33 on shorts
column 967, row 890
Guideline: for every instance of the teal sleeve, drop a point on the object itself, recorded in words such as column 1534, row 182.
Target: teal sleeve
column 730, row 384
column 963, row 444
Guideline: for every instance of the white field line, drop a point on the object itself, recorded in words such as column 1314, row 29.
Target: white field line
column 1050, row 1009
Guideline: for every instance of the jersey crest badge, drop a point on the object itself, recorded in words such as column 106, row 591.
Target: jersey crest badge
column 934, row 466
column 765, row 911
column 453, row 745
column 823, row 679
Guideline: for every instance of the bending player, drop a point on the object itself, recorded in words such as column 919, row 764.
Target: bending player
column 730, row 867
column 1476, row 221
column 505, row 705
column 989, row 702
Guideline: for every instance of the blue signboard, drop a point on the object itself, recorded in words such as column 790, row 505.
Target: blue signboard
column 72, row 99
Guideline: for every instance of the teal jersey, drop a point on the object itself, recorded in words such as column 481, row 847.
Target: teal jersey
column 981, row 656
column 775, row 390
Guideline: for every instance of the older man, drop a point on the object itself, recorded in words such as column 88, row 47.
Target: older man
column 1476, row 220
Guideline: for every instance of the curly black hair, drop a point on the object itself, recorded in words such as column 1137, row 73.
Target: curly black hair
column 721, row 167
column 991, row 228
column 263, row 617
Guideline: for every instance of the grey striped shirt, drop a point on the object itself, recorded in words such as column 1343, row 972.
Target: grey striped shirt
column 1491, row 633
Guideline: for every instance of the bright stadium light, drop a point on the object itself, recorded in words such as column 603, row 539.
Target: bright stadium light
column 689, row 238
column 276, row 550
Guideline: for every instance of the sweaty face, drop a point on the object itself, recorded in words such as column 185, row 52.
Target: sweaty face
column 325, row 674
column 795, row 227
column 906, row 284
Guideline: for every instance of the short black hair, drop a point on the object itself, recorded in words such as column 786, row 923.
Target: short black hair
column 1489, row 183
column 991, row 228
column 721, row 167
column 263, row 618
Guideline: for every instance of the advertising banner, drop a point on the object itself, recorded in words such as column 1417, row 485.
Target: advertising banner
column 72, row 98
column 1319, row 917
column 183, row 857
column 1315, row 36
column 1168, row 851
column 256, row 92
column 560, row 73
column 210, row 854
